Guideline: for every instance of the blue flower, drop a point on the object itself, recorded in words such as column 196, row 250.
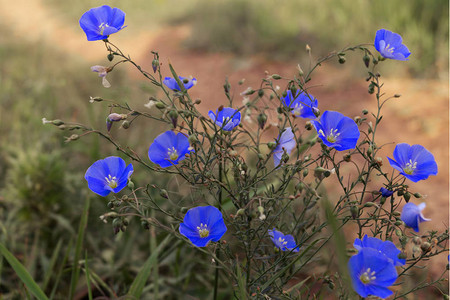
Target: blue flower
column 389, row 44
column 227, row 118
column 283, row 242
column 414, row 162
column 385, row 192
column 371, row 273
column 100, row 22
column 286, row 142
column 337, row 131
column 169, row 149
column 302, row 106
column 172, row 84
column 388, row 248
column 412, row 215
column 108, row 175
column 203, row 224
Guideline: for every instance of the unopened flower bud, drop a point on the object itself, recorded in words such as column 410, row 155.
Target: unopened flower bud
column 397, row 96
column 192, row 139
column 426, row 247
column 341, row 59
column 365, row 111
column 262, row 119
column 354, row 211
column 398, row 233
column 160, row 105
column 261, row 209
column 110, row 56
column 96, row 99
column 276, row 76
column 130, row 185
column 271, row 145
column 407, row 196
column 308, row 125
column 369, row 204
column 183, row 210
column 347, row 157
column 305, row 172
column 417, row 195
column 240, row 212
column 366, row 60
column 145, row 224
column 163, row 193
column 173, row 114
column 402, row 255
column 57, row 122
column 125, row 124
column 260, row 93
column 417, row 240
column 155, row 64
column 300, row 71
column 399, row 223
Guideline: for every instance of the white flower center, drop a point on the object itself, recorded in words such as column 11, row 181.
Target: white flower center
column 225, row 120
column 102, row 27
column 297, row 111
column 389, row 49
column 282, row 241
column 332, row 136
column 111, row 181
column 368, row 276
column 203, row 230
column 410, row 167
column 172, row 152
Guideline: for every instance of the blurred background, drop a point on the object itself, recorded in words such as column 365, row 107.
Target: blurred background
column 45, row 64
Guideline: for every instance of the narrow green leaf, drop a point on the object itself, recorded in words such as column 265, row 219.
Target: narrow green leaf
column 23, row 274
column 88, row 279
column 139, row 282
column 49, row 271
column 241, row 283
column 61, row 269
column 79, row 244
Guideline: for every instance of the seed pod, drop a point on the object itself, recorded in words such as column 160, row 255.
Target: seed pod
column 163, row 193
column 262, row 119
column 366, row 60
column 426, row 247
column 110, row 56
column 354, row 210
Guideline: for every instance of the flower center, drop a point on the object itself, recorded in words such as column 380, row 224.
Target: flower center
column 367, row 277
column 111, row 181
column 332, row 136
column 389, row 49
column 225, row 120
column 282, row 241
column 297, row 111
column 410, row 167
column 203, row 230
column 102, row 27
column 172, row 152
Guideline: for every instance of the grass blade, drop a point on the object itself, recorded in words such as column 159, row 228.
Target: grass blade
column 23, row 274
column 241, row 283
column 79, row 244
column 49, row 273
column 139, row 282
column 88, row 279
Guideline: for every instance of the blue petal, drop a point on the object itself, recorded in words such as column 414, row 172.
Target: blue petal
column 410, row 215
column 96, row 170
column 171, row 83
column 117, row 18
column 402, row 154
column 114, row 166
column 379, row 291
column 355, row 266
column 98, row 186
column 379, row 37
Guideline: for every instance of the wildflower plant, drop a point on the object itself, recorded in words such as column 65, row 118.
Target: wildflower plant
column 231, row 204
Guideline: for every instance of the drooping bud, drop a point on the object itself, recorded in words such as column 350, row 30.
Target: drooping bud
column 366, row 60
column 163, row 193
column 110, row 56
column 130, row 185
column 173, row 114
column 308, row 125
column 354, row 211
column 155, row 64
column 262, row 119
column 341, row 59
column 407, row 196
column 160, row 105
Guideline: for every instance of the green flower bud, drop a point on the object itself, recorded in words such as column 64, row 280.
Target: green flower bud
column 184, row 210
column 399, row 223
column 155, row 65
column 125, row 124
column 262, row 119
column 366, row 60
column 110, row 56
column 160, row 105
column 407, row 196
column 163, row 193
column 365, row 111
column 271, row 145
column 130, row 185
column 417, row 195
column 260, row 93
column 354, row 211
column 369, row 204
column 145, row 224
column 240, row 212
column 305, row 172
column 276, row 76
column 57, row 122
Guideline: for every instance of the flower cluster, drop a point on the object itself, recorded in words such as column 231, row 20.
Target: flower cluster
column 372, row 270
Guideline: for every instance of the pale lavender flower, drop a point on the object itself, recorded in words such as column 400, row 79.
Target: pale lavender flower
column 102, row 72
